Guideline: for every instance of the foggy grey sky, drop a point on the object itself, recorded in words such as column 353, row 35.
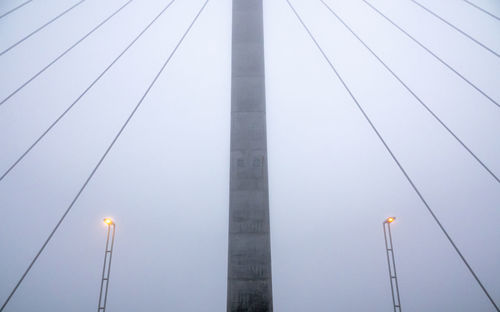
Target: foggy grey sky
column 331, row 181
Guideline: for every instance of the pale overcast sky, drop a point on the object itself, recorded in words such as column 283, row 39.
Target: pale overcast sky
column 332, row 182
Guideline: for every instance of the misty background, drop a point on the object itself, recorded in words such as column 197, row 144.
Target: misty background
column 331, row 181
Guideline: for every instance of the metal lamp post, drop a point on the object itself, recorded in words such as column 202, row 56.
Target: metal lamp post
column 392, row 264
column 103, row 295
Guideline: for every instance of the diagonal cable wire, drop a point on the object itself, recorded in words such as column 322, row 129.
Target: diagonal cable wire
column 393, row 156
column 61, row 116
column 456, row 28
column 42, row 27
column 64, row 53
column 103, row 157
column 432, row 53
column 482, row 10
column 15, row 9
column 412, row 93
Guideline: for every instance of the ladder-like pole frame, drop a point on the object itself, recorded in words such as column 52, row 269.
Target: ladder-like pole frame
column 108, row 254
column 391, row 262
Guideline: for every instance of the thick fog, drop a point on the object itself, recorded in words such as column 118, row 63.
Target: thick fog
column 331, row 180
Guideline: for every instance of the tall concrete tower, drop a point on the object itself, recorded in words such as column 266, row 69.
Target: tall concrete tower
column 249, row 263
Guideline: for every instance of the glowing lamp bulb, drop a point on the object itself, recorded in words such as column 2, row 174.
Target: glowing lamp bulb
column 391, row 219
column 108, row 221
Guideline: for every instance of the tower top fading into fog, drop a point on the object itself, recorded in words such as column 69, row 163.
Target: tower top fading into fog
column 249, row 263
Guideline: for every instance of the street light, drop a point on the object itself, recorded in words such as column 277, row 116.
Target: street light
column 103, row 295
column 391, row 262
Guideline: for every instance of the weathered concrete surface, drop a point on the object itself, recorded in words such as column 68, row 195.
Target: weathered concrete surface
column 249, row 263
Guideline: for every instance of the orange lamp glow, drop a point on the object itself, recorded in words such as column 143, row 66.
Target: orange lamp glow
column 390, row 219
column 108, row 221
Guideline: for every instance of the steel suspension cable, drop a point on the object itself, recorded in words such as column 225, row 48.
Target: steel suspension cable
column 56, row 121
column 429, row 110
column 432, row 53
column 65, row 52
column 103, row 157
column 15, row 9
column 393, row 156
column 42, row 27
column 456, row 28
column 482, row 10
